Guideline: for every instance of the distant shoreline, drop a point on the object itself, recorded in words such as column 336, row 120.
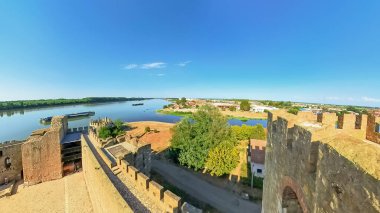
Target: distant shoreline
column 45, row 103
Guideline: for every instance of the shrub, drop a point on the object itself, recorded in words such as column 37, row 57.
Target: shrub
column 245, row 105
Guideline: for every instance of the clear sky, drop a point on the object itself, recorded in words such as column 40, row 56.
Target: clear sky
column 312, row 51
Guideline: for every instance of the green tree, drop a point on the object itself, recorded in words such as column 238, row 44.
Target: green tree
column 245, row 105
column 245, row 132
column 232, row 108
column 222, row 159
column 195, row 135
column 294, row 110
column 105, row 132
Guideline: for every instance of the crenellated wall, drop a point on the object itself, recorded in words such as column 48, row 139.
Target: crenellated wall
column 168, row 201
column 164, row 198
column 103, row 194
column 313, row 167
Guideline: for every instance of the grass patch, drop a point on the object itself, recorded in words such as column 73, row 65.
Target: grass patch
column 176, row 113
column 244, row 119
column 246, row 175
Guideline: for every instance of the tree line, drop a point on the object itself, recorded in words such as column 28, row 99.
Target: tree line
column 22, row 104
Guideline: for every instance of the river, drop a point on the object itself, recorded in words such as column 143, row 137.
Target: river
column 18, row 124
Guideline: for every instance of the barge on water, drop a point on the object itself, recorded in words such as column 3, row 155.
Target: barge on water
column 69, row 116
column 138, row 104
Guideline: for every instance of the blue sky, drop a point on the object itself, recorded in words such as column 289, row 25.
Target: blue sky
column 312, row 51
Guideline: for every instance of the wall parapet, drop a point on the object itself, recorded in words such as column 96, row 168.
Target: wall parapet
column 334, row 170
column 103, row 194
column 166, row 199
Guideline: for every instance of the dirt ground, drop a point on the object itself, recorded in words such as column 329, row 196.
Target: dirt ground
column 160, row 140
column 68, row 194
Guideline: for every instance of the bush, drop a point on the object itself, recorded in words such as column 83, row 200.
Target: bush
column 112, row 131
column 245, row 105
column 232, row 108
column 147, row 129
column 293, row 110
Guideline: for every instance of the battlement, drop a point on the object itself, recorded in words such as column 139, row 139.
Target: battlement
column 349, row 134
column 100, row 122
column 321, row 163
column 82, row 129
column 11, row 143
column 164, row 198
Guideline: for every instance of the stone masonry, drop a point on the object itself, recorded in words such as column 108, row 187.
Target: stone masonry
column 312, row 165
column 41, row 153
column 10, row 161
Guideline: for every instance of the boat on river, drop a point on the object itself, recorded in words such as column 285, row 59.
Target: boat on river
column 138, row 104
column 69, row 116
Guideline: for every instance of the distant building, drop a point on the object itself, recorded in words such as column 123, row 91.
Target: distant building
column 225, row 106
column 256, row 108
column 257, row 158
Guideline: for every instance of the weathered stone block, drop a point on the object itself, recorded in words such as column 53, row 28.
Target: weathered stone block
column 156, row 191
column 172, row 202
column 132, row 172
column 142, row 181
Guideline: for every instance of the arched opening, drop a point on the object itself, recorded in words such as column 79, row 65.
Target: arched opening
column 290, row 203
column 7, row 163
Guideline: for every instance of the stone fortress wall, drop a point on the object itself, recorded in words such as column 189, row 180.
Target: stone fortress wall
column 41, row 153
column 10, row 161
column 136, row 166
column 314, row 164
column 103, row 194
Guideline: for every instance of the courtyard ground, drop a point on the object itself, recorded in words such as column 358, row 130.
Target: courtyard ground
column 159, row 140
column 68, row 195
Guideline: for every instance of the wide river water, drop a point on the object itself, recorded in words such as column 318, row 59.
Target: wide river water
column 18, row 124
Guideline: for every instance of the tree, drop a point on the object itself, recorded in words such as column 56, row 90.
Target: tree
column 245, row 132
column 197, row 134
column 232, row 108
column 245, row 105
column 105, row 132
column 183, row 100
column 147, row 129
column 294, row 110
column 113, row 130
column 222, row 159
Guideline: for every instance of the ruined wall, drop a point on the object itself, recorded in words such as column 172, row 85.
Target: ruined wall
column 320, row 179
column 103, row 194
column 41, row 153
column 10, row 152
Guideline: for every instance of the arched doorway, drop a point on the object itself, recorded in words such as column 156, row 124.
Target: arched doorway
column 290, row 203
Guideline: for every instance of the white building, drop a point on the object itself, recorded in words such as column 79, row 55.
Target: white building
column 257, row 108
column 257, row 157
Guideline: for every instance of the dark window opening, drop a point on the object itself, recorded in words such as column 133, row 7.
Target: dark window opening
column 7, row 163
column 1, row 153
column 259, row 171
